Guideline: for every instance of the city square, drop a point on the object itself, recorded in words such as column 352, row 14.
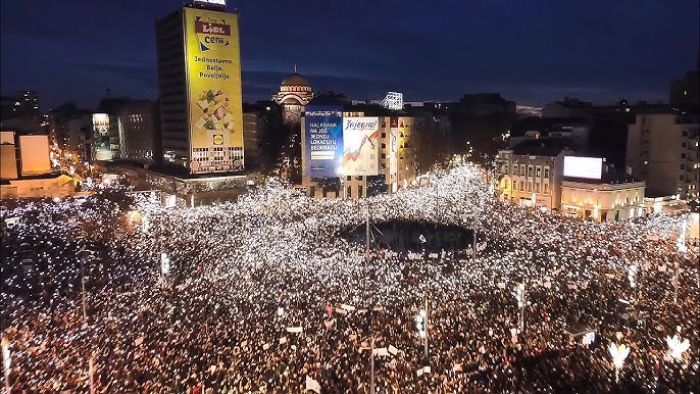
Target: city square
column 363, row 197
column 261, row 295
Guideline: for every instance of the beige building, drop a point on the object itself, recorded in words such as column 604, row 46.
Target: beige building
column 26, row 172
column 603, row 201
column 662, row 150
column 530, row 174
column 295, row 92
column 397, row 161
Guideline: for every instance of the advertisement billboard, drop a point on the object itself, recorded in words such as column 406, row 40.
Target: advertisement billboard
column 361, row 146
column 393, row 146
column 214, row 91
column 323, row 133
column 583, row 167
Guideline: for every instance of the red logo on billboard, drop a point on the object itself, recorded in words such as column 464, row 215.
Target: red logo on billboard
column 212, row 28
column 212, row 33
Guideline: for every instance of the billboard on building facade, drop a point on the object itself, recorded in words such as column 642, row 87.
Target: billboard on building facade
column 323, row 131
column 361, row 146
column 583, row 167
column 214, row 91
column 393, row 146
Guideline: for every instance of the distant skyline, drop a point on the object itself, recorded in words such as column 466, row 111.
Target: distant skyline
column 531, row 52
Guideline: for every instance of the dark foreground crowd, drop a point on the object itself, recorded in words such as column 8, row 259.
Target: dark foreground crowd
column 273, row 301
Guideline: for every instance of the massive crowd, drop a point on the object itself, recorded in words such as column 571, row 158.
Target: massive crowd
column 265, row 295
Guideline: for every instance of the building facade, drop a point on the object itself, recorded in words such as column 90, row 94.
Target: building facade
column 530, row 180
column 397, row 161
column 662, row 150
column 199, row 79
column 602, row 201
column 138, row 131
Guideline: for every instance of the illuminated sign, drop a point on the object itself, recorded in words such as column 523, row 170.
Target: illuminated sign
column 583, row 167
column 323, row 135
column 214, row 91
column 361, row 146
column 214, row 3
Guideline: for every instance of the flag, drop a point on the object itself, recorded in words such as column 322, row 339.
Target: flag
column 380, row 352
column 394, row 351
column 312, row 385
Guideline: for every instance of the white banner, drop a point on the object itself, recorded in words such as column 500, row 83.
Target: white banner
column 294, row 330
column 313, row 385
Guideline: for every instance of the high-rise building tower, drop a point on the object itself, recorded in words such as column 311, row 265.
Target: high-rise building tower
column 199, row 77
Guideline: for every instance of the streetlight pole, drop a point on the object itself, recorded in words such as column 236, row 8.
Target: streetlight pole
column 6, row 362
column 371, row 329
column 367, row 230
column 82, row 287
column 426, row 327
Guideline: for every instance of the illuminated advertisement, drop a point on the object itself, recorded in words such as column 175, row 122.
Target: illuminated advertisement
column 323, row 129
column 393, row 145
column 214, row 91
column 583, row 167
column 361, row 146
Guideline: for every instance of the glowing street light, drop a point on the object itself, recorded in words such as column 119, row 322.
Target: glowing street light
column 520, row 298
column 677, row 346
column 619, row 354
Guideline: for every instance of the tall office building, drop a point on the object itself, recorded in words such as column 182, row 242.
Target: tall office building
column 199, row 77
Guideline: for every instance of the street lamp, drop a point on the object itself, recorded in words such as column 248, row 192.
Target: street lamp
column 677, row 346
column 520, row 298
column 619, row 354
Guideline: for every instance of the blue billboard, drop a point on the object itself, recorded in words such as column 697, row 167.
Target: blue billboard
column 323, row 129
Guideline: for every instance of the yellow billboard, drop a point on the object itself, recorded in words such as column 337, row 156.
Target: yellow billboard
column 213, row 64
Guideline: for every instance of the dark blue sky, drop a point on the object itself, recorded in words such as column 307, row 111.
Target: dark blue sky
column 530, row 51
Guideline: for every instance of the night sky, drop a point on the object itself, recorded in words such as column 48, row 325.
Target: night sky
column 531, row 51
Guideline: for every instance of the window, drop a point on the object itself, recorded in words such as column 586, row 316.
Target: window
column 349, row 178
column 515, row 169
column 522, row 186
column 537, row 187
column 383, row 135
column 359, row 191
column 522, row 169
column 545, row 188
column 546, row 172
column 383, row 146
column 538, row 172
column 682, row 155
column 530, row 171
column 359, row 178
column 685, row 133
column 348, row 191
column 383, row 155
column 684, row 145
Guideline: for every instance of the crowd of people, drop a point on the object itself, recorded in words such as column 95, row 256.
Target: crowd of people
column 266, row 295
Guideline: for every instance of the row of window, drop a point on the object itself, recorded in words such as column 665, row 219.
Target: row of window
column 529, row 187
column 530, row 171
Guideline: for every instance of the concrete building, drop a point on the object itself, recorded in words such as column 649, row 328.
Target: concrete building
column 684, row 92
column 662, row 150
column 138, row 125
column 530, row 174
column 199, row 80
column 607, row 200
column 397, row 161
column 295, row 92
column 26, row 170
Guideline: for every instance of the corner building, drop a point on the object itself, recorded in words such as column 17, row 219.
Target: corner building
column 199, row 79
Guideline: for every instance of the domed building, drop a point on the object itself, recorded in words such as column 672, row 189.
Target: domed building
column 295, row 92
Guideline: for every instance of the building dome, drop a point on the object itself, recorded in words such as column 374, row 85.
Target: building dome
column 295, row 79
